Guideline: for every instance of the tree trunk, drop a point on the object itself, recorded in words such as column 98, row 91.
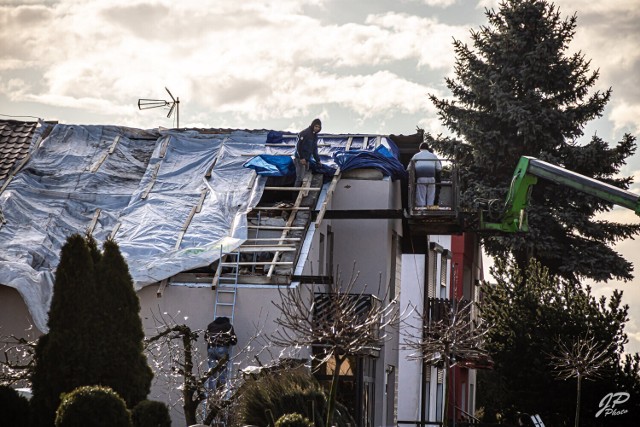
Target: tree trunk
column 188, row 405
column 579, row 390
column 331, row 405
column 447, row 367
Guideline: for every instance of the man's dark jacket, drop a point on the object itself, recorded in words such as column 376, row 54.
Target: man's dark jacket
column 220, row 333
column 307, row 145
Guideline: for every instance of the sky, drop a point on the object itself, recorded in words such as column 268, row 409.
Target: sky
column 361, row 66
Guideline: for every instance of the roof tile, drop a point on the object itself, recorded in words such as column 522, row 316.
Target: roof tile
column 15, row 140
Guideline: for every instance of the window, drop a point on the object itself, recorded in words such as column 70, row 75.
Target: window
column 329, row 251
column 463, row 397
column 427, row 395
column 432, row 273
column 443, row 276
column 396, row 266
column 356, row 389
column 467, row 283
column 321, row 256
column 439, row 395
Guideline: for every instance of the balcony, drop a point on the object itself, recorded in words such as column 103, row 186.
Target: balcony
column 352, row 310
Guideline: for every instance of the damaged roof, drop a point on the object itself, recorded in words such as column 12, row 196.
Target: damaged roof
column 174, row 200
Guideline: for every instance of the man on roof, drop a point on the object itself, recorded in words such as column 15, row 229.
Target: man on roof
column 306, row 147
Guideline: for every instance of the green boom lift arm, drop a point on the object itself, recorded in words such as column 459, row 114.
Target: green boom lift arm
column 528, row 170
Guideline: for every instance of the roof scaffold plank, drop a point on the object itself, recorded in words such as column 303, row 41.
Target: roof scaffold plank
column 334, row 182
column 94, row 221
column 154, row 175
column 332, row 187
column 194, row 210
column 106, row 154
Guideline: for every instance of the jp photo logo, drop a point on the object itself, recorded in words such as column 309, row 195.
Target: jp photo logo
column 608, row 404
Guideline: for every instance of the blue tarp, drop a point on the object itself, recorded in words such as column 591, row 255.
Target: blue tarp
column 380, row 159
column 384, row 158
column 271, row 165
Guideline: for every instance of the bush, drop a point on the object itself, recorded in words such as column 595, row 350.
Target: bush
column 286, row 392
column 149, row 413
column 293, row 420
column 15, row 407
column 92, row 406
column 83, row 346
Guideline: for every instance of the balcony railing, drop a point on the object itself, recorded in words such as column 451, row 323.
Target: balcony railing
column 442, row 310
column 356, row 306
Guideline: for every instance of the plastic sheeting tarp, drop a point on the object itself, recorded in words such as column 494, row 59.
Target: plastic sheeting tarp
column 173, row 200
column 71, row 176
column 271, row 165
column 383, row 158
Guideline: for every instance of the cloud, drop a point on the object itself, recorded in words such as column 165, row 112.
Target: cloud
column 488, row 4
column 626, row 117
column 231, row 57
column 16, row 87
column 610, row 7
column 430, row 41
column 439, row 3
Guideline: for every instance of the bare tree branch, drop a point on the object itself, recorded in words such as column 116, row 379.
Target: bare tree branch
column 175, row 358
column 336, row 319
column 444, row 334
column 581, row 358
column 455, row 336
column 17, row 363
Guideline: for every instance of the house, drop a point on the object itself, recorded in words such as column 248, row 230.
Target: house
column 210, row 226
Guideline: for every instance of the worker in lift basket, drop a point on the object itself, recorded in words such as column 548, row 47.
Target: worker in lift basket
column 428, row 168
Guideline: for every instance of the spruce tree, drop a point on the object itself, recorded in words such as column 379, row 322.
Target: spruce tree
column 518, row 91
column 95, row 332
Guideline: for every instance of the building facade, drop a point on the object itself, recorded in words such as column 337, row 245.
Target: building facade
column 353, row 223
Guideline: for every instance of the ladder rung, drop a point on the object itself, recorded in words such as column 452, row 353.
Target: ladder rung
column 271, row 239
column 275, row 208
column 258, row 263
column 274, row 227
column 294, row 188
column 273, row 248
column 277, row 245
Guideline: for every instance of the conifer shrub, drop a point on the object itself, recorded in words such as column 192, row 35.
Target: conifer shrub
column 286, row 392
column 15, row 410
column 95, row 331
column 92, row 406
column 124, row 365
column 150, row 413
column 293, row 420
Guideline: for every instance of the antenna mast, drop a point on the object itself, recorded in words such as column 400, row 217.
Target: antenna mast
column 174, row 105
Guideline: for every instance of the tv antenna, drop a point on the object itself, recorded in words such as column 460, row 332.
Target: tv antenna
column 174, row 105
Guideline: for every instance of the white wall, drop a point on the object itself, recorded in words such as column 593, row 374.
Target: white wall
column 414, row 268
column 409, row 371
column 366, row 244
column 254, row 323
